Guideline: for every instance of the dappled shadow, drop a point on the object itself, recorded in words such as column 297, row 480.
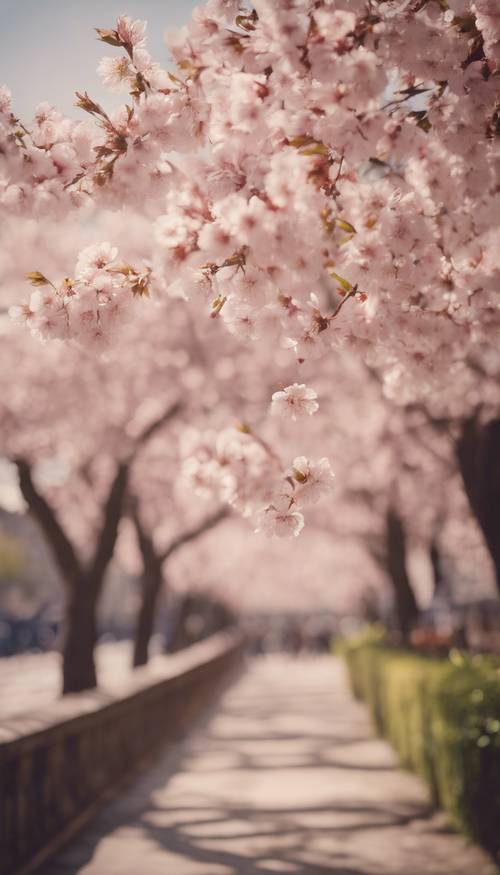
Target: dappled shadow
column 189, row 833
column 278, row 777
column 272, row 823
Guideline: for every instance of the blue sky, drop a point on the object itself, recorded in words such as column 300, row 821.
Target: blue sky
column 49, row 50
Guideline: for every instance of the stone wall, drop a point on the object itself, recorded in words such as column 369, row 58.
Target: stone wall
column 58, row 765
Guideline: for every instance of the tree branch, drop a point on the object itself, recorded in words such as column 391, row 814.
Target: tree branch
column 191, row 534
column 153, row 427
column 60, row 545
column 466, row 450
column 113, row 508
column 377, row 550
column 150, row 556
column 112, row 513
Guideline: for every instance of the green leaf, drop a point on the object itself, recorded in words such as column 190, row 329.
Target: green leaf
column 318, row 149
column 298, row 142
column 345, row 284
column 346, row 226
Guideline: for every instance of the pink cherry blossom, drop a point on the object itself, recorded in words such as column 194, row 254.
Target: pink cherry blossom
column 280, row 519
column 93, row 259
column 116, row 73
column 314, row 479
column 294, row 402
column 5, row 99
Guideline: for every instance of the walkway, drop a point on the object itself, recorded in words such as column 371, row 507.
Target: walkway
column 286, row 776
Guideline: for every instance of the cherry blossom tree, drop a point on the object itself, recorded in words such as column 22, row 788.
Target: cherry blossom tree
column 70, row 419
column 315, row 184
column 321, row 174
column 399, row 492
column 73, row 477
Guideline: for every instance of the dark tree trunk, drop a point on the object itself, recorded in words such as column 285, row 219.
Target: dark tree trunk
column 82, row 583
column 151, row 584
column 438, row 575
column 79, row 638
column 405, row 603
column 152, row 574
column 180, row 637
column 478, row 456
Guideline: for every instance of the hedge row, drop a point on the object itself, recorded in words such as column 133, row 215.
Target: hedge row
column 443, row 718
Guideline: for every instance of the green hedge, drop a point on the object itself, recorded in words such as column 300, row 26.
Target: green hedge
column 443, row 718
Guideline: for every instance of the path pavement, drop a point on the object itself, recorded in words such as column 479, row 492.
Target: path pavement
column 285, row 776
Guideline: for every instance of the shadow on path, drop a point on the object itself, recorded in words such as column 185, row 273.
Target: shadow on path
column 285, row 775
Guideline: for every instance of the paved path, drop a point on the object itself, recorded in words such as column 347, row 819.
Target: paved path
column 286, row 776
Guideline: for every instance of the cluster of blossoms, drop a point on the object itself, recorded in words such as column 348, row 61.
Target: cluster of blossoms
column 90, row 307
column 56, row 164
column 353, row 155
column 39, row 163
column 311, row 153
column 241, row 469
column 136, row 71
column 316, row 175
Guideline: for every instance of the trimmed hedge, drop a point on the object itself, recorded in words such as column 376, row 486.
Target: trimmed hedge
column 443, row 718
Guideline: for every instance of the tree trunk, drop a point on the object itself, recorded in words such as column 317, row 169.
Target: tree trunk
column 83, row 584
column 179, row 638
column 438, row 575
column 152, row 575
column 79, row 638
column 478, row 455
column 405, row 603
column 151, row 584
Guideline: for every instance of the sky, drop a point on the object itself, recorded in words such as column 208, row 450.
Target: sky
column 49, row 49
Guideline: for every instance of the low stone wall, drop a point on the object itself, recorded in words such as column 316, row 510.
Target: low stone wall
column 58, row 765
